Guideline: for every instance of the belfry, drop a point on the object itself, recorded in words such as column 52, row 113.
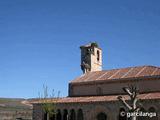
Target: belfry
column 91, row 58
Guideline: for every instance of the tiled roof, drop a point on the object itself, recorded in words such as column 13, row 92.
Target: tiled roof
column 98, row 98
column 117, row 74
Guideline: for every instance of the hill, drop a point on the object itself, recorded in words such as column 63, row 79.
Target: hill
column 12, row 108
column 14, row 104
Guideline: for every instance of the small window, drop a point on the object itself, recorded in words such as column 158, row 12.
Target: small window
column 98, row 55
column 99, row 91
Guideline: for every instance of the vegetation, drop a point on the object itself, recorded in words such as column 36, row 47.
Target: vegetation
column 48, row 106
column 13, row 104
column 12, row 108
column 94, row 44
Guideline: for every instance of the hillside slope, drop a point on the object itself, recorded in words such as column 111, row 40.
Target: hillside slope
column 14, row 104
column 11, row 109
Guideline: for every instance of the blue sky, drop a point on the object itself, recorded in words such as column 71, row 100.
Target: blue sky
column 39, row 40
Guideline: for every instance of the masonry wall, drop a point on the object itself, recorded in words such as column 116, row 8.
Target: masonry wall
column 113, row 88
column 91, row 110
column 13, row 115
column 96, row 65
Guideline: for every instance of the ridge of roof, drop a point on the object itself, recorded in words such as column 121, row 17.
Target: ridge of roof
column 121, row 69
column 131, row 67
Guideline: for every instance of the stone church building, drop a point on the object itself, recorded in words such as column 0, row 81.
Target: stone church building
column 94, row 94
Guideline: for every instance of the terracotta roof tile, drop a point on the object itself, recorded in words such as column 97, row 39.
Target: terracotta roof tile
column 99, row 98
column 117, row 74
column 109, row 74
column 96, row 75
column 134, row 72
column 121, row 73
column 147, row 70
column 157, row 72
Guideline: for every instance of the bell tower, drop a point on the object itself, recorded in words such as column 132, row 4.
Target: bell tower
column 91, row 57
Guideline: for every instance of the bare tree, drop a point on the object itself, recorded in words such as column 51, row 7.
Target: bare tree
column 48, row 106
column 132, row 92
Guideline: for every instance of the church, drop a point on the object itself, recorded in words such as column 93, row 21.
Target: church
column 101, row 95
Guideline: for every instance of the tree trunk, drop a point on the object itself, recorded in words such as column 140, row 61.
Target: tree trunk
column 47, row 116
column 133, row 117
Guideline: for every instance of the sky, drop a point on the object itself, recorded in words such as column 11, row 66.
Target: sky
column 40, row 39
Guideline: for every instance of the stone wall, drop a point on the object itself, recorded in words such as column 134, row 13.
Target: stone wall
column 112, row 88
column 13, row 115
column 96, row 65
column 91, row 110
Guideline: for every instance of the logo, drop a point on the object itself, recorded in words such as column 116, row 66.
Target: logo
column 122, row 113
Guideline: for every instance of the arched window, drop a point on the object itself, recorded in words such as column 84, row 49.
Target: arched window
column 65, row 115
column 153, row 110
column 101, row 116
column 58, row 116
column 52, row 116
column 72, row 115
column 98, row 55
column 80, row 115
column 142, row 117
column 99, row 91
column 45, row 116
column 122, row 114
column 18, row 118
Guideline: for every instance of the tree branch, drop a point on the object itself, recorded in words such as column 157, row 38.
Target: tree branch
column 124, row 102
column 126, row 89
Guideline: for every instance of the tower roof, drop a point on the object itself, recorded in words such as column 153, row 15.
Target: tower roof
column 91, row 44
column 115, row 75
